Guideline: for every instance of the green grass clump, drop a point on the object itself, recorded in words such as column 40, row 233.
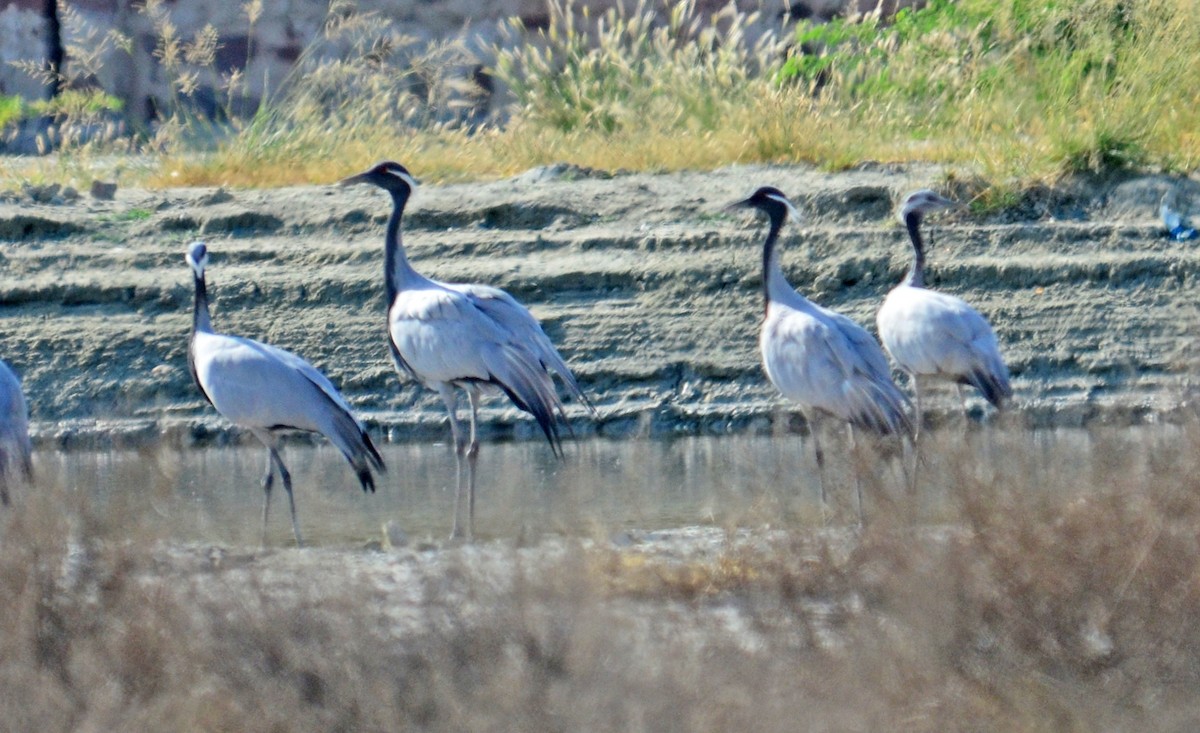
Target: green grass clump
column 11, row 109
column 1030, row 88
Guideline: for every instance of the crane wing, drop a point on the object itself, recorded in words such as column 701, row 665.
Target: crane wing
column 869, row 354
column 439, row 335
column 14, row 427
column 256, row 384
column 516, row 320
column 820, row 363
column 443, row 336
column 930, row 332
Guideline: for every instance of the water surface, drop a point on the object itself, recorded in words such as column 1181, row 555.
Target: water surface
column 214, row 494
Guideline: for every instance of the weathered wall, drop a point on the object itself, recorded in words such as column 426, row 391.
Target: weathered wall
column 268, row 49
column 22, row 38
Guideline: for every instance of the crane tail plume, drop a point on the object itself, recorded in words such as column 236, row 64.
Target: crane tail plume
column 355, row 444
column 365, row 478
column 372, row 453
column 524, row 379
column 364, row 458
column 883, row 411
column 542, row 412
column 568, row 379
column 994, row 387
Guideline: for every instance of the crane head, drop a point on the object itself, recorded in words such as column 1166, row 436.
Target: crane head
column 388, row 175
column 922, row 202
column 770, row 201
column 197, row 257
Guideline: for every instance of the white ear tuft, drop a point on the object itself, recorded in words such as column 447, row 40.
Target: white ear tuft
column 793, row 212
column 403, row 175
column 412, row 182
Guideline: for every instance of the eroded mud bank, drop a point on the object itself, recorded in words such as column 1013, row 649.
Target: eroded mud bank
column 648, row 287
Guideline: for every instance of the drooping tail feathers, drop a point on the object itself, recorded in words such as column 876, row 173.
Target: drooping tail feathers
column 883, row 409
column 559, row 367
column 365, row 460
column 532, row 390
column 355, row 444
column 993, row 386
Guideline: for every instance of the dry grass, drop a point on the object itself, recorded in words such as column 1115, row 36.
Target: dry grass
column 1019, row 93
column 1052, row 598
column 628, row 93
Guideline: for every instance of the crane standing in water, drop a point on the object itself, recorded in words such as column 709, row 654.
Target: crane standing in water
column 268, row 390
column 817, row 358
column 450, row 336
column 934, row 335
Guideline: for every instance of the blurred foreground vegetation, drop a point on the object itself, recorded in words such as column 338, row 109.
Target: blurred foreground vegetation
column 1047, row 597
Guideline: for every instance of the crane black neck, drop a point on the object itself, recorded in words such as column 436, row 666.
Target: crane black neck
column 200, row 318
column 771, row 268
column 916, row 273
column 395, row 259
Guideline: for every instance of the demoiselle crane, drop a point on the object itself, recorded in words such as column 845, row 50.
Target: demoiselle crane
column 15, row 448
column 450, row 336
column 933, row 335
column 267, row 390
column 819, row 359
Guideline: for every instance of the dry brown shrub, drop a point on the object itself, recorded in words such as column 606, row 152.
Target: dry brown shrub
column 1050, row 596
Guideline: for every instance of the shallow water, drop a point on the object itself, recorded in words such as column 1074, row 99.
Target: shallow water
column 602, row 486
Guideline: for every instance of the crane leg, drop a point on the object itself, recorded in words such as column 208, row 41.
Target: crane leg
column 287, row 486
column 813, row 431
column 920, row 421
column 21, row 452
column 267, row 481
column 917, row 431
column 862, row 517
column 472, row 458
column 450, row 398
column 4, row 473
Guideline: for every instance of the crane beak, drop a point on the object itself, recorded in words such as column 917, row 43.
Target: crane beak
column 352, row 180
column 943, row 202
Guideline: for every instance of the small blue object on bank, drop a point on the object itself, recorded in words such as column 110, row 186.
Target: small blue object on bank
column 1178, row 228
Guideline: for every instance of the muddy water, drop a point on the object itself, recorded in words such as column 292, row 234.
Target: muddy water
column 602, row 487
